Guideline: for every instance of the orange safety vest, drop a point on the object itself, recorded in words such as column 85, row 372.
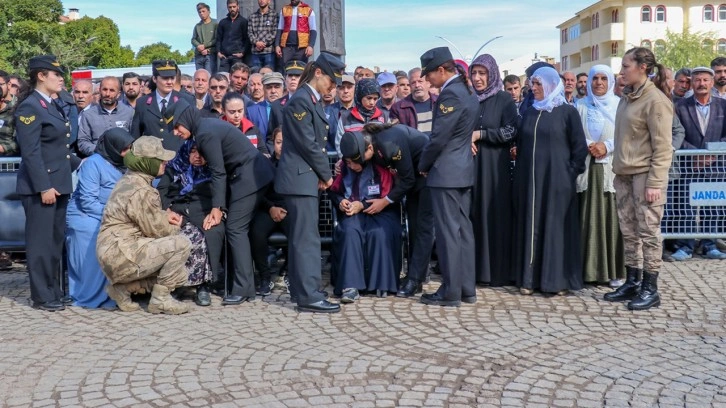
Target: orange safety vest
column 303, row 25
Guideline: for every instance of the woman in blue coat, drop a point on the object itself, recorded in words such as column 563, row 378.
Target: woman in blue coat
column 96, row 179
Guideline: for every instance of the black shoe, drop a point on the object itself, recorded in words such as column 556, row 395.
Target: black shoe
column 265, row 287
column 66, row 300
column 627, row 290
column 52, row 306
column 234, row 300
column 435, row 299
column 410, row 288
column 648, row 296
column 322, row 306
column 468, row 299
column 203, row 298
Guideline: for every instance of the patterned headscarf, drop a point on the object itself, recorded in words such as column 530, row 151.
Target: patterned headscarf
column 365, row 87
column 608, row 103
column 494, row 82
column 186, row 174
column 552, row 88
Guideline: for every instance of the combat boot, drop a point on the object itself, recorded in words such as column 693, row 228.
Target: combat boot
column 648, row 296
column 122, row 297
column 162, row 302
column 627, row 290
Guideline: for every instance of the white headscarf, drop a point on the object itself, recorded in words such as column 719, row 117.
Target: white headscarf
column 607, row 104
column 552, row 87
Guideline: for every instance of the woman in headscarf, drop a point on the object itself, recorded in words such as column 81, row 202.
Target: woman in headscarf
column 602, row 243
column 96, row 179
column 186, row 189
column 367, row 93
column 491, row 210
column 551, row 152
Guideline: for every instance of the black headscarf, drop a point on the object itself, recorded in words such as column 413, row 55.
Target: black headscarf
column 110, row 145
column 186, row 115
column 365, row 87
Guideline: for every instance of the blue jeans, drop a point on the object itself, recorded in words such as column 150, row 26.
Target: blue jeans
column 208, row 62
column 264, row 60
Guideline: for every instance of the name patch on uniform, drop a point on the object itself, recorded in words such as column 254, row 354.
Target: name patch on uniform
column 445, row 109
column 27, row 120
column 299, row 116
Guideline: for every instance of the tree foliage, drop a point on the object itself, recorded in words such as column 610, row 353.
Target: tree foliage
column 687, row 49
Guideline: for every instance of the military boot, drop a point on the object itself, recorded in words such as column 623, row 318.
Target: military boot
column 627, row 290
column 122, row 297
column 648, row 296
column 162, row 302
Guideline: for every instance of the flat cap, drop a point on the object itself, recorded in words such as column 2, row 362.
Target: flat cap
column 699, row 70
column 272, row 78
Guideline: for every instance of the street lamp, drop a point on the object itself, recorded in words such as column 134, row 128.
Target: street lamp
column 465, row 58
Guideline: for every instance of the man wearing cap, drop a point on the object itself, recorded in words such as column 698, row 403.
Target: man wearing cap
column 150, row 117
column 139, row 244
column 448, row 166
column 702, row 117
column 232, row 37
column 389, row 87
column 303, row 171
column 296, row 32
column 293, row 71
column 43, row 134
column 259, row 113
column 345, row 92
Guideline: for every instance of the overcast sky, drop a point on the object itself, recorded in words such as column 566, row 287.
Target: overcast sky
column 391, row 34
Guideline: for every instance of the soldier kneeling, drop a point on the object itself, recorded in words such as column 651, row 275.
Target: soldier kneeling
column 139, row 246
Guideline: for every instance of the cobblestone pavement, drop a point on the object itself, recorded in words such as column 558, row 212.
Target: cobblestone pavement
column 507, row 350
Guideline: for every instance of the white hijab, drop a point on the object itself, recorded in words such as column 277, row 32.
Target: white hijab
column 606, row 104
column 553, row 89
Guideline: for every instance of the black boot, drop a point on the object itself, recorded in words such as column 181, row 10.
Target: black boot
column 648, row 296
column 627, row 290
column 410, row 288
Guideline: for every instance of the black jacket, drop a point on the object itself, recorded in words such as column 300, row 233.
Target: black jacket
column 399, row 148
column 232, row 37
column 148, row 120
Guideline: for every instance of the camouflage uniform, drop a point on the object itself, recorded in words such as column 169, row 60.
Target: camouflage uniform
column 639, row 222
column 136, row 240
column 7, row 131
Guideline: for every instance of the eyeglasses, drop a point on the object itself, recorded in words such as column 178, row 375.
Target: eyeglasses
column 217, row 87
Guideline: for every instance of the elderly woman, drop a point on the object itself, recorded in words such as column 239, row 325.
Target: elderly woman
column 96, row 179
column 551, row 152
column 366, row 246
column 491, row 210
column 186, row 189
column 602, row 243
column 139, row 245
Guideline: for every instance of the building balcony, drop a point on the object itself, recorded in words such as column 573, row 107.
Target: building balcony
column 607, row 33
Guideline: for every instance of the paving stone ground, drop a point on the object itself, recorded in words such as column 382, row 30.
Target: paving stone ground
column 507, row 350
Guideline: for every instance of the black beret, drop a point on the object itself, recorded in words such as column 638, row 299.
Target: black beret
column 434, row 58
column 45, row 62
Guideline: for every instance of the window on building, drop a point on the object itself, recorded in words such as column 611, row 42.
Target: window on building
column 563, row 36
column 708, row 45
column 646, row 44
column 645, row 14
column 597, row 19
column 574, row 32
column 614, row 49
column 564, row 62
column 708, row 13
column 722, row 46
column 595, row 53
column 660, row 47
column 722, row 12
column 660, row 14
column 614, row 16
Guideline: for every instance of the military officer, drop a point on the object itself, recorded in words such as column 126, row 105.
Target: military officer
column 449, row 167
column 398, row 147
column 150, row 117
column 43, row 135
column 302, row 172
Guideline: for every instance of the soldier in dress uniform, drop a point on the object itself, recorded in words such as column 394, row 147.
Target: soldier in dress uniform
column 293, row 70
column 448, row 165
column 303, row 171
column 43, row 135
column 150, row 116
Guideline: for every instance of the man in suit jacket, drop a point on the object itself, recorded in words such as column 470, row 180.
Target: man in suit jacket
column 150, row 118
column 449, row 168
column 303, row 170
column 702, row 117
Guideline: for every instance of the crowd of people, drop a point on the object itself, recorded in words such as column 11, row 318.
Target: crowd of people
column 545, row 183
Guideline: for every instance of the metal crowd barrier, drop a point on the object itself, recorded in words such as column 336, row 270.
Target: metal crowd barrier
column 696, row 199
column 9, row 164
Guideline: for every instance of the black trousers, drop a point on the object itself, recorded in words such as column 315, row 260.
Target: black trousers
column 454, row 241
column 262, row 227
column 421, row 233
column 304, row 264
column 45, row 228
column 239, row 218
column 225, row 64
column 293, row 53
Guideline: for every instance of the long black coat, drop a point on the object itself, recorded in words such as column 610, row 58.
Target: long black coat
column 551, row 152
column 491, row 210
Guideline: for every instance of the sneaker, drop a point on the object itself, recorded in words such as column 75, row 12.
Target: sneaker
column 265, row 287
column 350, row 295
column 681, row 255
column 715, row 254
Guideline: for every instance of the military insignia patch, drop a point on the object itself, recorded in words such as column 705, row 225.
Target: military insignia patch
column 445, row 109
column 28, row 120
column 299, row 116
column 397, row 156
column 169, row 120
column 149, row 99
column 42, row 103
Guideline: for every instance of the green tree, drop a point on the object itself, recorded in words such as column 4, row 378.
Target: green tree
column 42, row 11
column 686, row 49
column 157, row 51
